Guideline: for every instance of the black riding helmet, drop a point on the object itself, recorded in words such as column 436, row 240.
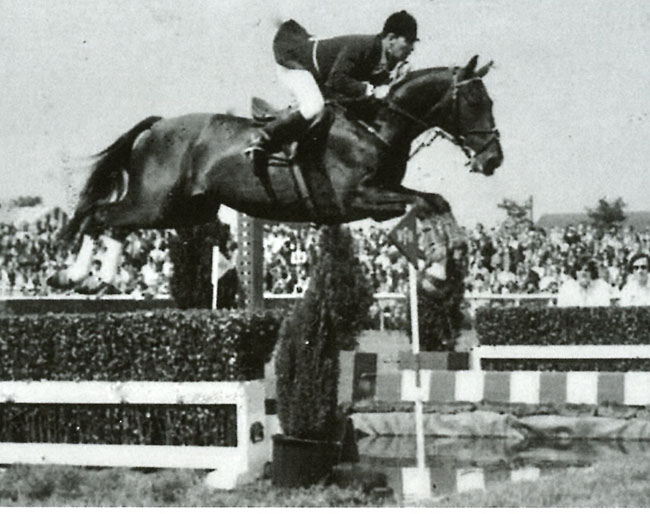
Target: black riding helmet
column 401, row 24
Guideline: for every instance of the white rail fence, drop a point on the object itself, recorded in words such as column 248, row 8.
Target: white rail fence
column 586, row 351
column 230, row 466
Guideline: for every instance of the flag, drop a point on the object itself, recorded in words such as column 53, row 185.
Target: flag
column 404, row 236
column 220, row 264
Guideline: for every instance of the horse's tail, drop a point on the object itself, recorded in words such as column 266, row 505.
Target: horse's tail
column 104, row 174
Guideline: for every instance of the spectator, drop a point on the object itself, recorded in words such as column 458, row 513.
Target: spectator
column 584, row 289
column 636, row 291
column 151, row 277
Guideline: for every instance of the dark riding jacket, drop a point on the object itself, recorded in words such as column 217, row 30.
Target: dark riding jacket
column 340, row 64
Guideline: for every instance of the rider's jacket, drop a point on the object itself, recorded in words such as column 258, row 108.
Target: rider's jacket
column 340, row 64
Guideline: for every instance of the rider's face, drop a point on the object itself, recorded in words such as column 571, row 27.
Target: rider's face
column 399, row 48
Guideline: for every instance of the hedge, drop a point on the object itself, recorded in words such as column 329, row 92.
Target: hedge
column 563, row 326
column 165, row 345
column 175, row 425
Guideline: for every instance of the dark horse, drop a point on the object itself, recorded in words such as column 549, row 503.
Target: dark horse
column 166, row 173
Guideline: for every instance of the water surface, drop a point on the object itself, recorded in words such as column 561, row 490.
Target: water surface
column 457, row 465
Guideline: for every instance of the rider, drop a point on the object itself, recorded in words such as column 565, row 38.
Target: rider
column 355, row 66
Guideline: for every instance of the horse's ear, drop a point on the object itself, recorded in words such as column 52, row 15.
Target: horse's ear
column 469, row 69
column 482, row 71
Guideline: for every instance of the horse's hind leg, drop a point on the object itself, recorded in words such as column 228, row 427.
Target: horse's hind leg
column 121, row 217
column 78, row 270
column 124, row 216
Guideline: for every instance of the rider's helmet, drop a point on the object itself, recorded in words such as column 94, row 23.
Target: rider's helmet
column 402, row 24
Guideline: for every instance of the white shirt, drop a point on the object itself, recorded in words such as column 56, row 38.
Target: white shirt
column 634, row 294
column 571, row 294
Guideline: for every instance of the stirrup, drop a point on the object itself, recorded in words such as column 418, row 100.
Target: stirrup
column 258, row 145
column 254, row 150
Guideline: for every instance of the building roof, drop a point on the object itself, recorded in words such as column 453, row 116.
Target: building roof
column 637, row 219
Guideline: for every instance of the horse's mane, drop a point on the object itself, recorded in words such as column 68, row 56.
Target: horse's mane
column 413, row 77
column 416, row 74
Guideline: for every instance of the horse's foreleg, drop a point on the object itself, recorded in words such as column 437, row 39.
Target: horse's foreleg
column 438, row 212
column 435, row 202
column 439, row 233
column 380, row 204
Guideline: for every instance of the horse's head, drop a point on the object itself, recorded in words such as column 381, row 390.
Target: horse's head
column 456, row 102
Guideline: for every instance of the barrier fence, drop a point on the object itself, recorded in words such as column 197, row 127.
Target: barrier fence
column 233, row 466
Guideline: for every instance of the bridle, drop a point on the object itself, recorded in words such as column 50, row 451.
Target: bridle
column 460, row 137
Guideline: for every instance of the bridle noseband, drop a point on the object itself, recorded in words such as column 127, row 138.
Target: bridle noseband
column 460, row 138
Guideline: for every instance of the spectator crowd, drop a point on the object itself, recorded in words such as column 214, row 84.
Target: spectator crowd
column 520, row 258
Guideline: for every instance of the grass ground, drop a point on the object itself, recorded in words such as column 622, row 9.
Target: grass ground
column 622, row 483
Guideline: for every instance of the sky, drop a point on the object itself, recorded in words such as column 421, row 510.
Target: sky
column 570, row 87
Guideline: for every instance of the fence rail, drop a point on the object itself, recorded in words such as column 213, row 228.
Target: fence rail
column 232, row 466
column 586, row 351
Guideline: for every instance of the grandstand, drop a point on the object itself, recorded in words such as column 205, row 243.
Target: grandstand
column 637, row 219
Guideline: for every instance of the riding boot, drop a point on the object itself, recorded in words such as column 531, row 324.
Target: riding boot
column 272, row 136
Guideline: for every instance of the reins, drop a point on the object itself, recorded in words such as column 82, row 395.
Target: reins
column 458, row 140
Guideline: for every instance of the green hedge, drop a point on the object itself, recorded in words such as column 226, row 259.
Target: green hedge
column 558, row 326
column 163, row 345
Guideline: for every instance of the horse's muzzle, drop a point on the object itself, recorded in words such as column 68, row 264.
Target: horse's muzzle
column 488, row 161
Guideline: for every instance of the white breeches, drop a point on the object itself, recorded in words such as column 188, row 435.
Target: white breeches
column 304, row 88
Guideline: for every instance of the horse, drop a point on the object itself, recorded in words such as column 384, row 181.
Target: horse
column 174, row 172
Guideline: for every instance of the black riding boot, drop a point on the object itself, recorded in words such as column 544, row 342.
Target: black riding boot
column 273, row 135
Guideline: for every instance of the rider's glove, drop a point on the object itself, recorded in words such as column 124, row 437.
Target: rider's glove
column 381, row 92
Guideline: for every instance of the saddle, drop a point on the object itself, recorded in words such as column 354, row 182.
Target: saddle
column 263, row 112
column 305, row 158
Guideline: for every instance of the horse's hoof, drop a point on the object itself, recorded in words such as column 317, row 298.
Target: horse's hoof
column 107, row 289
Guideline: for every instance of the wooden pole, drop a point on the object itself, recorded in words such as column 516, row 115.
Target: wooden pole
column 215, row 275
column 415, row 331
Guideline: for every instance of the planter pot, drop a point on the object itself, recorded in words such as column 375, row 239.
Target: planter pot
column 302, row 462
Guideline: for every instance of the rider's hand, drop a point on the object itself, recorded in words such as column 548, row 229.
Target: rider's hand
column 381, row 92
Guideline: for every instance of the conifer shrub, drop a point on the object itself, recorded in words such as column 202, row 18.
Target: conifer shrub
column 328, row 319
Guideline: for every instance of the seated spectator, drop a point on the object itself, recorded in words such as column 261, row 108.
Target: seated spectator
column 125, row 278
column 584, row 288
column 150, row 275
column 480, row 285
column 531, row 283
column 92, row 283
column 636, row 291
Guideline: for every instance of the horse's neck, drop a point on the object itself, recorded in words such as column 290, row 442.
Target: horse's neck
column 356, row 138
column 416, row 97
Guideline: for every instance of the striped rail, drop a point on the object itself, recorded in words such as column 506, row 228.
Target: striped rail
column 391, row 378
